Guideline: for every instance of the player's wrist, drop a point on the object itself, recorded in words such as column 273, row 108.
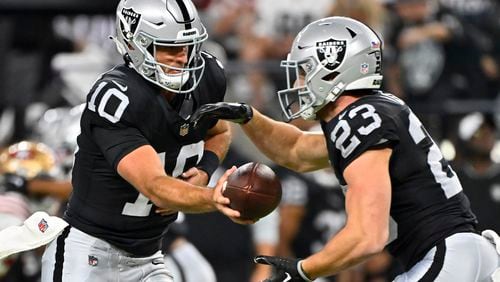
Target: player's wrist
column 208, row 163
column 301, row 271
column 247, row 113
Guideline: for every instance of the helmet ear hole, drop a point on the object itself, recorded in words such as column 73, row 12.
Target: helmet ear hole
column 330, row 76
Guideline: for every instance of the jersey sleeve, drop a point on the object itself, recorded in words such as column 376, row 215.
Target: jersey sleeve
column 362, row 128
column 216, row 81
column 113, row 122
column 115, row 143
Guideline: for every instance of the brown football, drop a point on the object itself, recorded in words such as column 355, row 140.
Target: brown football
column 254, row 190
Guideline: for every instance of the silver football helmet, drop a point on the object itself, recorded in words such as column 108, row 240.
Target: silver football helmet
column 141, row 26
column 327, row 57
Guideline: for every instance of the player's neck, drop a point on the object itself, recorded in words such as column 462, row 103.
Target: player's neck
column 168, row 95
column 333, row 109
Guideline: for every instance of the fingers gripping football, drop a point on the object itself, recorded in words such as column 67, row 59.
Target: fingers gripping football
column 235, row 112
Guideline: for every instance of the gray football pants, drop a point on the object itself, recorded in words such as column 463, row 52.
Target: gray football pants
column 462, row 257
column 77, row 256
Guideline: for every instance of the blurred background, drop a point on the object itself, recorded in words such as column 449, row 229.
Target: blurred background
column 440, row 56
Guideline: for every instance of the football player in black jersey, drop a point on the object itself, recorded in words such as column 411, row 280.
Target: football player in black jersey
column 137, row 150
column 399, row 189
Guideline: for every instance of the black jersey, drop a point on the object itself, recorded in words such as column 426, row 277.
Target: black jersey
column 427, row 202
column 123, row 112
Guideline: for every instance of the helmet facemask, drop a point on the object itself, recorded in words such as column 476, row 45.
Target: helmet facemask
column 158, row 72
column 297, row 99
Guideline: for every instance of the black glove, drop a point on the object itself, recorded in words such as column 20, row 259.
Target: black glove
column 285, row 269
column 14, row 183
column 236, row 112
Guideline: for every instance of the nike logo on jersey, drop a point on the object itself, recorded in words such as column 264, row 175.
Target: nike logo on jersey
column 122, row 87
column 157, row 261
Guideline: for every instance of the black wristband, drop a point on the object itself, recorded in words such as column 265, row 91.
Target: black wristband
column 249, row 112
column 208, row 163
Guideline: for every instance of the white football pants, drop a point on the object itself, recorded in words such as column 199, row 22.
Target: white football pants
column 77, row 256
column 462, row 257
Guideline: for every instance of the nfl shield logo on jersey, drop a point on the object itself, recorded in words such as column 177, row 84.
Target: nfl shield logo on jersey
column 331, row 52
column 43, row 225
column 184, row 129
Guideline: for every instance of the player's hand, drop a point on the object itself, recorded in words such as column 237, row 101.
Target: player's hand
column 195, row 176
column 236, row 112
column 14, row 183
column 222, row 203
column 285, row 269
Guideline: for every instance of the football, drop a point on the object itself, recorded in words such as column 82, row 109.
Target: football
column 254, row 190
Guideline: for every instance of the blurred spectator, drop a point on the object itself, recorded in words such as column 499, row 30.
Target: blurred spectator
column 370, row 12
column 273, row 27
column 227, row 21
column 26, row 169
column 480, row 176
column 78, row 70
column 479, row 19
column 415, row 49
column 430, row 59
column 30, row 46
column 434, row 54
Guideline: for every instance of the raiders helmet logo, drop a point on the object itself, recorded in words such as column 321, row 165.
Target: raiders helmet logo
column 331, row 52
column 132, row 19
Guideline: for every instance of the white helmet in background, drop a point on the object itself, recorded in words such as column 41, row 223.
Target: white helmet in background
column 141, row 26
column 332, row 55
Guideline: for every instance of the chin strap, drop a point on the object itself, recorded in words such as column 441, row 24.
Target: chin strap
column 119, row 46
column 173, row 81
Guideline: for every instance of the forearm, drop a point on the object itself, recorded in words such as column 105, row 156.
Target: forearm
column 219, row 139
column 175, row 194
column 342, row 252
column 285, row 144
column 143, row 169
